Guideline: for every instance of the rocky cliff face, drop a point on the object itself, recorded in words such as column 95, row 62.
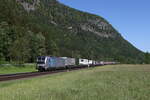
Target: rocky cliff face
column 94, row 25
column 29, row 6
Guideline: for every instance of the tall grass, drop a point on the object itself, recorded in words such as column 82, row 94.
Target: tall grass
column 117, row 82
column 8, row 69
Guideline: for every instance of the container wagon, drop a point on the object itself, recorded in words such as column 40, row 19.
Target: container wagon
column 83, row 62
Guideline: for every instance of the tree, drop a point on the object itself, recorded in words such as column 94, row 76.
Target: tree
column 55, row 48
column 20, row 50
column 147, row 58
column 36, row 45
column 41, row 44
column 7, row 36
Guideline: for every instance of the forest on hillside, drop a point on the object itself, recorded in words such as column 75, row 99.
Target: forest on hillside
column 54, row 29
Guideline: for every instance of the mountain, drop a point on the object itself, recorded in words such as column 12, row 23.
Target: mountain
column 30, row 28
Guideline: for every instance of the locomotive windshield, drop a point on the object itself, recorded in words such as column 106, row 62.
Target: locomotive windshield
column 41, row 60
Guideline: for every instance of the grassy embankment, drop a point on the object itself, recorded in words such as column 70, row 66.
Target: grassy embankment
column 115, row 82
column 9, row 69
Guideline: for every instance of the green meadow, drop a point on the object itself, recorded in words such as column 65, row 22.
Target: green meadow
column 112, row 82
column 10, row 69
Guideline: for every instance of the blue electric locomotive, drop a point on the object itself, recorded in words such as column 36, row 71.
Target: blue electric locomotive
column 49, row 63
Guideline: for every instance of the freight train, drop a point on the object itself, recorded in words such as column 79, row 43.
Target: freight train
column 45, row 63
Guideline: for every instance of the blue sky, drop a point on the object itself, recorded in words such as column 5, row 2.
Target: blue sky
column 130, row 17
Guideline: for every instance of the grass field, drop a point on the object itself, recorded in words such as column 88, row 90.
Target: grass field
column 19, row 69
column 113, row 82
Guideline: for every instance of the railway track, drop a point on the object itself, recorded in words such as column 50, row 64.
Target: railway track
column 7, row 77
